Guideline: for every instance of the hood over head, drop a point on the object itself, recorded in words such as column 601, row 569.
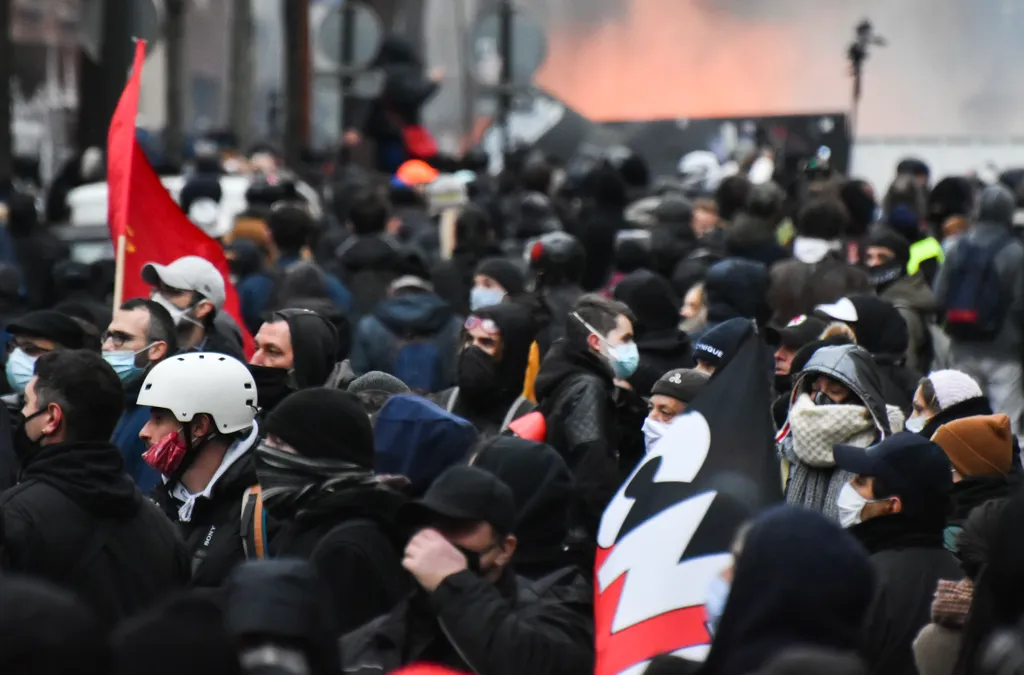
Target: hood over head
column 878, row 325
column 996, row 206
column 542, row 485
column 652, row 299
column 414, row 314
column 284, row 599
column 736, row 288
column 417, row 439
column 314, row 344
column 854, row 368
column 518, row 330
column 800, row 581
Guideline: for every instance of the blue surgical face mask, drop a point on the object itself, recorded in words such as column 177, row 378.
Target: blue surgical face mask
column 624, row 359
column 20, row 369
column 718, row 595
column 123, row 363
column 481, row 297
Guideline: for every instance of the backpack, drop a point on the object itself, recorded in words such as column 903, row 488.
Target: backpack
column 418, row 363
column 975, row 304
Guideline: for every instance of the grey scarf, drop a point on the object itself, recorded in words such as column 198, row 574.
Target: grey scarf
column 288, row 480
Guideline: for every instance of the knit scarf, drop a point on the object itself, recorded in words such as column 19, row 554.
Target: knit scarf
column 952, row 602
column 814, row 431
column 288, row 480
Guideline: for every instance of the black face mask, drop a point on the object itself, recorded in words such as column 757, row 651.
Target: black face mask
column 472, row 559
column 821, row 398
column 478, row 374
column 885, row 275
column 273, row 385
column 25, row 447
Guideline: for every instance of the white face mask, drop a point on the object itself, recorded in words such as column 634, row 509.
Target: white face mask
column 851, row 506
column 915, row 424
column 653, row 431
column 179, row 315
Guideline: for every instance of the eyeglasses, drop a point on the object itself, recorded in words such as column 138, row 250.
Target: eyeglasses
column 486, row 325
column 116, row 338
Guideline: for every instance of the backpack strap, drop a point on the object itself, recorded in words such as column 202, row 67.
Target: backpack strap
column 253, row 524
column 452, row 400
column 512, row 413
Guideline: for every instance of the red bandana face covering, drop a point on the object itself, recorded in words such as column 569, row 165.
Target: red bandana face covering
column 166, row 454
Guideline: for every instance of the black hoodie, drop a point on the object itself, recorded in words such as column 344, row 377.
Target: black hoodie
column 881, row 330
column 314, row 345
column 488, row 408
column 800, row 581
column 543, row 487
column 663, row 347
column 76, row 519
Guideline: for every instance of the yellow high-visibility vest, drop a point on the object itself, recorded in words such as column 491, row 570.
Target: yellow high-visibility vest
column 926, row 249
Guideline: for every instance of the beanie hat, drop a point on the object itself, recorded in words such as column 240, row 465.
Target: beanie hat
column 952, row 387
column 324, row 424
column 718, row 344
column 682, row 384
column 978, row 446
column 376, row 381
column 885, row 237
column 505, row 272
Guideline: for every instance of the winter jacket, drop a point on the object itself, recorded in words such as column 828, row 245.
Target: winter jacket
column 349, row 538
column 126, row 438
column 995, row 221
column 225, row 338
column 211, row 526
column 9, row 463
column 468, row 624
column 916, row 304
column 586, row 425
column 78, row 521
column 810, row 433
column 398, row 321
column 255, row 293
column 798, row 287
column 368, row 265
column 598, row 227
column 909, row 560
column 662, row 346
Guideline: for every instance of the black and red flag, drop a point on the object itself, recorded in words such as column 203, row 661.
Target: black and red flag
column 666, row 534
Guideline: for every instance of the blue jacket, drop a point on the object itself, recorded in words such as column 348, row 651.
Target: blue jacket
column 397, row 321
column 126, row 438
column 254, row 293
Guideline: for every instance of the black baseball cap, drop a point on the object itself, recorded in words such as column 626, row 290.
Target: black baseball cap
column 800, row 331
column 464, row 493
column 913, row 467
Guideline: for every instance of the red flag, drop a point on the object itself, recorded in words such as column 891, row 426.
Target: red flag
column 142, row 211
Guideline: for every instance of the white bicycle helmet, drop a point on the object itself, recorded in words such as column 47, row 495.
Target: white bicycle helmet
column 203, row 383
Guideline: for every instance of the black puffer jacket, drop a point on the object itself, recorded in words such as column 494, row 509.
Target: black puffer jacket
column 213, row 529
column 598, row 437
column 78, row 521
column 663, row 347
column 350, row 539
column 512, row 627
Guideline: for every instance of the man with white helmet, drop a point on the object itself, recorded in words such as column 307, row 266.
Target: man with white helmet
column 200, row 436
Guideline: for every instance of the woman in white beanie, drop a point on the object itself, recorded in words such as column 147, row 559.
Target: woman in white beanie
column 944, row 396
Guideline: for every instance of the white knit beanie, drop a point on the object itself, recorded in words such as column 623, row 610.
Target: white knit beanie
column 952, row 387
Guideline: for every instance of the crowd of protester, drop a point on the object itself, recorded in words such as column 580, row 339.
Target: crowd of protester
column 413, row 464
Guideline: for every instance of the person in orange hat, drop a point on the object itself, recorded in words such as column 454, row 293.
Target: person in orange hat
column 416, row 173
column 980, row 450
